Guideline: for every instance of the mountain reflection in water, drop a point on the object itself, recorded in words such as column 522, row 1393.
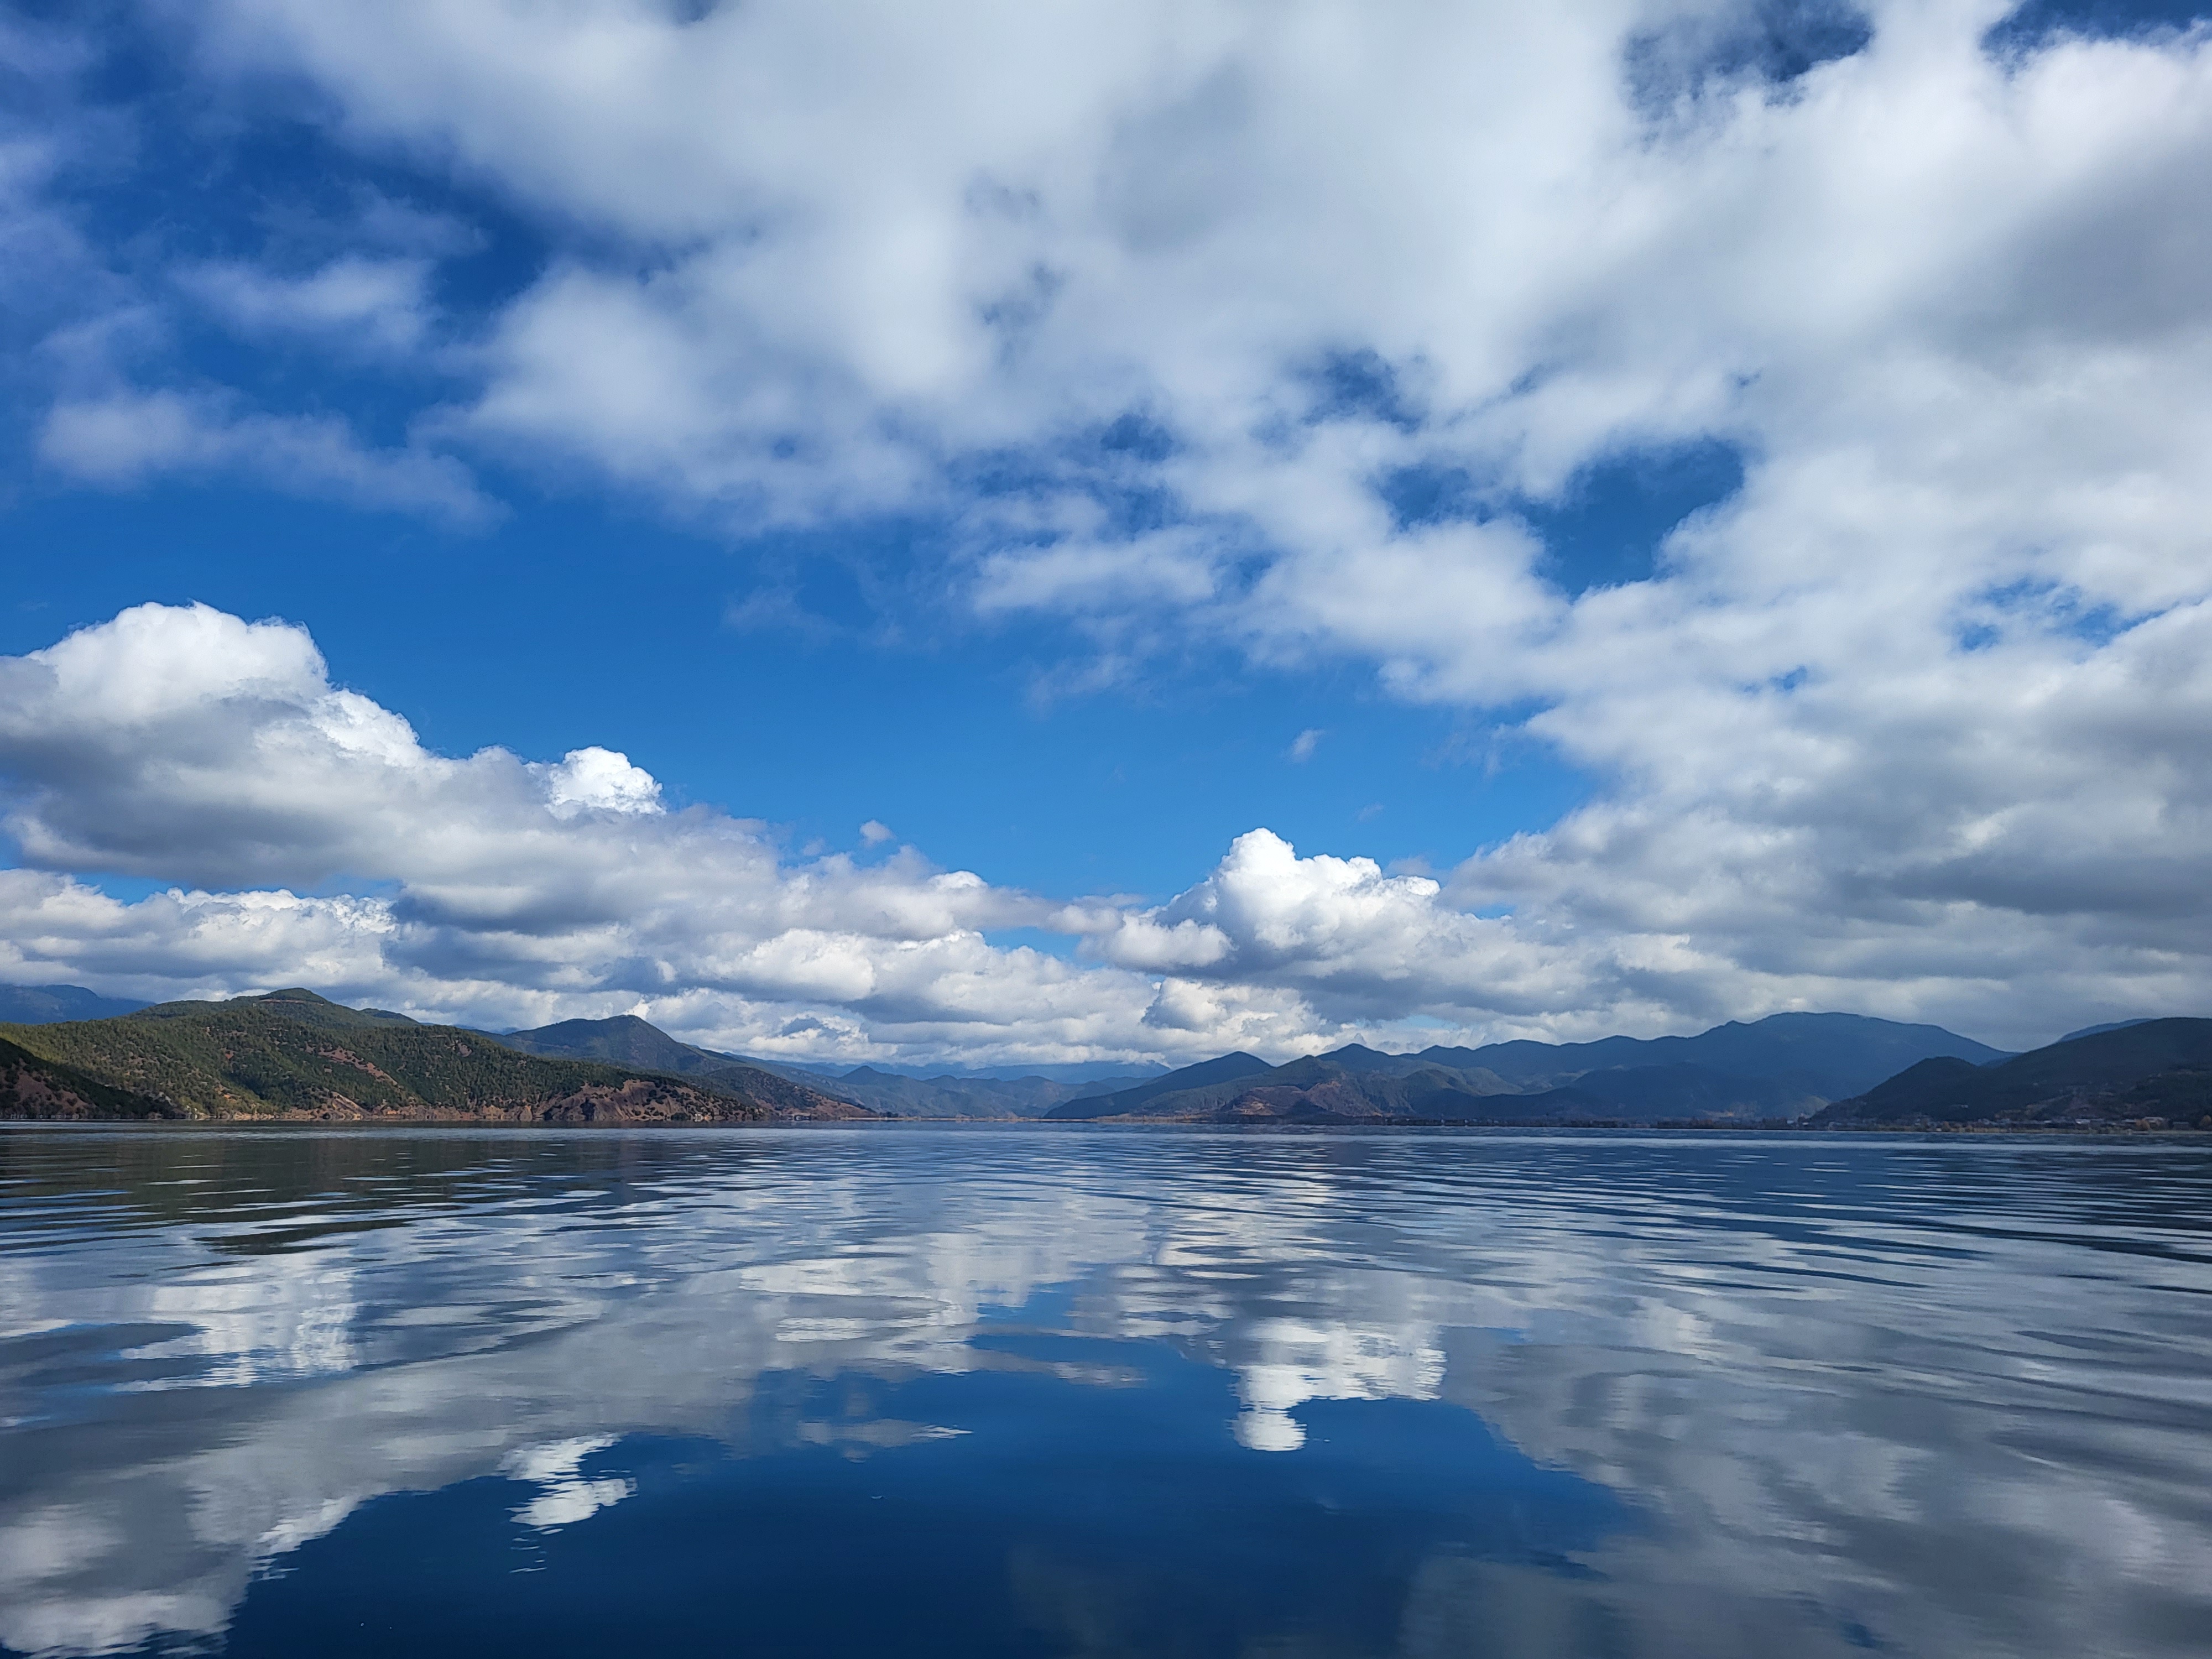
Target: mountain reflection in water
column 935, row 1391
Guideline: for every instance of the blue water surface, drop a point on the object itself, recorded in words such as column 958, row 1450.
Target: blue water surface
column 937, row 1391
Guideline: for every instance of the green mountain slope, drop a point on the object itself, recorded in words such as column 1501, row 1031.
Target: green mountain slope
column 293, row 1053
column 2156, row 1068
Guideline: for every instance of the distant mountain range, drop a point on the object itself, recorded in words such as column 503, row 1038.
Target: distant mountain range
column 44, row 1004
column 630, row 1041
column 1785, row 1065
column 2152, row 1072
column 294, row 1055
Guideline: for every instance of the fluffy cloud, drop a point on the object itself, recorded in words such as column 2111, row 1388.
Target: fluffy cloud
column 314, row 839
column 1913, row 722
column 189, row 746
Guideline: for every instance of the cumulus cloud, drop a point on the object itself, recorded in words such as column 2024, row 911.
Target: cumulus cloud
column 1912, row 722
column 128, row 438
column 313, row 838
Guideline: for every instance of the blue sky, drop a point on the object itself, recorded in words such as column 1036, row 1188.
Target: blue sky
column 573, row 623
column 865, row 697
column 1563, row 522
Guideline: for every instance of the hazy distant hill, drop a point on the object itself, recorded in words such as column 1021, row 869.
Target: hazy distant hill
column 1830, row 1056
column 293, row 1053
column 2109, row 1025
column 1209, row 1084
column 2156, row 1069
column 1783, row 1066
column 629, row 1041
column 44, row 1005
column 948, row 1096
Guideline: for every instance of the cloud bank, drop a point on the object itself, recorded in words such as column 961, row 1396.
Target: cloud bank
column 1277, row 330
column 311, row 838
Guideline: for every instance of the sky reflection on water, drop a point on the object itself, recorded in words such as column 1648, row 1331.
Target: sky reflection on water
column 1026, row 1392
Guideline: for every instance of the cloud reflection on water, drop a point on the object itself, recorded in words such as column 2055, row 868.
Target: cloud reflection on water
column 1950, row 1397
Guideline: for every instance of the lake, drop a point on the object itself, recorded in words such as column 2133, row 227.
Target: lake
column 995, row 1392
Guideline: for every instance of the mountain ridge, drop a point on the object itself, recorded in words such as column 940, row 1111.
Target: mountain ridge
column 2127, row 1073
column 1783, row 1067
column 293, row 1053
column 50, row 1005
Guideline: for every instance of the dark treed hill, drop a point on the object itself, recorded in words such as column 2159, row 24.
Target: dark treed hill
column 1239, row 1087
column 624, row 1039
column 300, row 1007
column 627, row 1040
column 1321, row 1089
column 1783, row 1067
column 2157, row 1069
column 293, row 1053
column 44, row 1004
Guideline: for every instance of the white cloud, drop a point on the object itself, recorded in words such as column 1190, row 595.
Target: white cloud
column 599, row 779
column 315, row 840
column 1942, row 301
column 127, row 439
column 1303, row 746
column 191, row 746
column 1913, row 724
column 378, row 303
column 875, row 834
column 1514, row 1290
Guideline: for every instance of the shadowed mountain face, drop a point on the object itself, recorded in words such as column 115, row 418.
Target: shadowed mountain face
column 44, row 1004
column 40, row 1090
column 2155, row 1069
column 1783, row 1066
column 294, row 1055
column 625, row 1040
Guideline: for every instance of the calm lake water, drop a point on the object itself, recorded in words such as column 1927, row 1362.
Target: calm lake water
column 820, row 1392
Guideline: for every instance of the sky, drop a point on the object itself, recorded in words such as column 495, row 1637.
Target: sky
column 996, row 535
